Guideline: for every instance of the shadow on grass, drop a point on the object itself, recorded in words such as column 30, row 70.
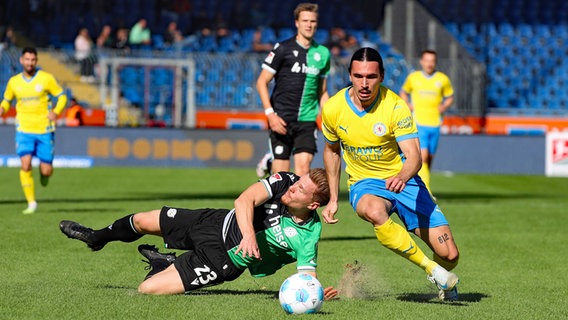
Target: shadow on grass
column 206, row 292
column 486, row 196
column 84, row 210
column 464, row 299
column 136, row 197
column 348, row 238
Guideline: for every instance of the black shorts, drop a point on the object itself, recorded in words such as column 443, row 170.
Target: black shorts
column 207, row 263
column 300, row 137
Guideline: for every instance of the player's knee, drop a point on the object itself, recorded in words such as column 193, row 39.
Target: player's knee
column 147, row 287
column 147, row 222
column 449, row 260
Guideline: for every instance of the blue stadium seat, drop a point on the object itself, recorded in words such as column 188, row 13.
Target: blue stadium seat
column 285, row 33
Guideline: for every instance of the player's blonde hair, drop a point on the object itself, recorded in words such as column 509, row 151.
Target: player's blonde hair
column 311, row 7
column 319, row 177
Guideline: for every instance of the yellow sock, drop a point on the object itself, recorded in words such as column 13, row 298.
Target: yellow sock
column 396, row 238
column 27, row 185
column 424, row 173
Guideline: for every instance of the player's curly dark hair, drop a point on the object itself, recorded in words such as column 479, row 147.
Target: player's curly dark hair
column 319, row 177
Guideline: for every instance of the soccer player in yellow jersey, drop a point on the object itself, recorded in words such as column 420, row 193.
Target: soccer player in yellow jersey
column 428, row 93
column 374, row 129
column 35, row 120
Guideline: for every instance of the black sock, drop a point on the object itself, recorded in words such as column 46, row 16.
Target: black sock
column 121, row 230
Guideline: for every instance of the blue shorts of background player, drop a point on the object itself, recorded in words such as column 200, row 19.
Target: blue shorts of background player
column 414, row 205
column 428, row 137
column 39, row 145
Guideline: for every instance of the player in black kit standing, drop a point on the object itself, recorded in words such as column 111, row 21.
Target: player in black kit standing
column 299, row 67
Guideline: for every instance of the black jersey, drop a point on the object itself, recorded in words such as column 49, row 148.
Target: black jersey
column 298, row 73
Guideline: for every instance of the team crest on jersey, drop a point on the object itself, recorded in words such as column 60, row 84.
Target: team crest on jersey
column 38, row 88
column 290, row 232
column 379, row 129
column 270, row 57
column 317, row 56
column 274, row 178
column 295, row 52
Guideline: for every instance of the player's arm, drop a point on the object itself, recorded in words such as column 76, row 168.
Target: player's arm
column 275, row 123
column 332, row 164
column 58, row 92
column 7, row 100
column 323, row 94
column 4, row 107
column 253, row 196
column 410, row 167
column 446, row 104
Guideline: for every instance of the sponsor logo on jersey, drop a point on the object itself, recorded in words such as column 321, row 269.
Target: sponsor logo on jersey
column 274, row 178
column 269, row 57
column 276, row 229
column 405, row 123
column 171, row 213
column 379, row 129
column 363, row 153
column 296, row 68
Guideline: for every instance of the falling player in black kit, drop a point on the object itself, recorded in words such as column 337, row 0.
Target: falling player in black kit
column 274, row 223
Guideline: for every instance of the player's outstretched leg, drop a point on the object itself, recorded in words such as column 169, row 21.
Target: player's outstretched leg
column 121, row 230
column 74, row 230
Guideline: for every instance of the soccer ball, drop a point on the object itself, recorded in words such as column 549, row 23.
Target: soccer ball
column 301, row 293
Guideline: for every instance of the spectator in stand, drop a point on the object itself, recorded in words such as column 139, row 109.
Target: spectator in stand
column 341, row 44
column 8, row 39
column 223, row 39
column 257, row 44
column 172, row 35
column 84, row 55
column 105, row 40
column 140, row 34
column 121, row 41
column 74, row 114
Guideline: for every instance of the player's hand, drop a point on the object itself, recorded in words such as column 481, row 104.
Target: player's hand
column 52, row 116
column 395, row 184
column 329, row 212
column 277, row 124
column 249, row 247
column 330, row 293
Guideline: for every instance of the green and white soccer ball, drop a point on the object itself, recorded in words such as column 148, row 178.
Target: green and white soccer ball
column 301, row 293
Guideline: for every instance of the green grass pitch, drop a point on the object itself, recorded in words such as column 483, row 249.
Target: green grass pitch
column 511, row 231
